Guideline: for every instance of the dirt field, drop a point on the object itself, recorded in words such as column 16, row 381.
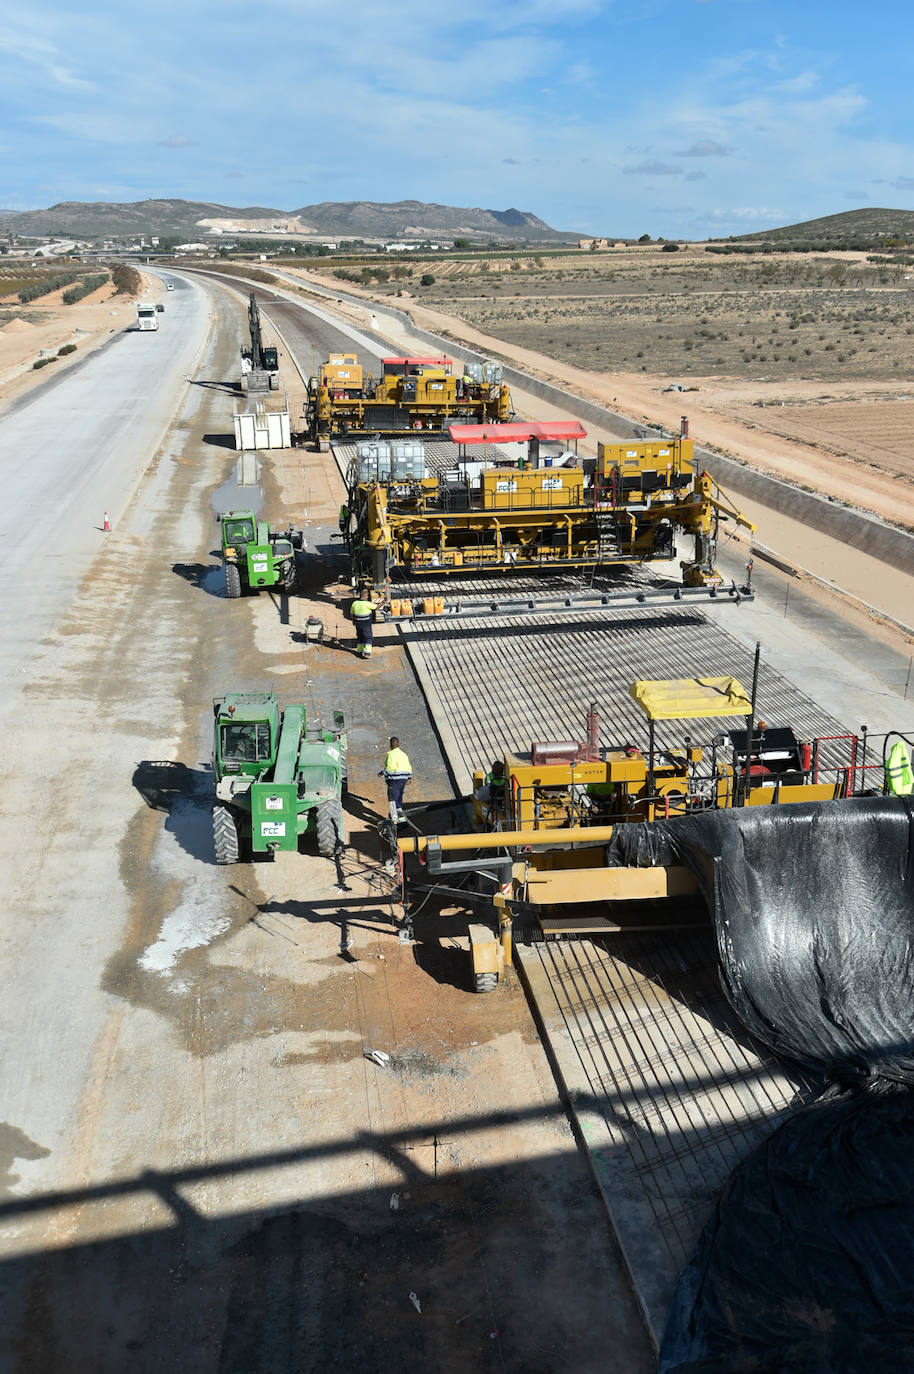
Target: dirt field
column 811, row 354
column 694, row 313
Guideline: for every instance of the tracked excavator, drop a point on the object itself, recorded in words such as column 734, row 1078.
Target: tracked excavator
column 260, row 362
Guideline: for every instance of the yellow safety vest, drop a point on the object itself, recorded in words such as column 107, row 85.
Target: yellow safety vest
column 397, row 763
column 898, row 773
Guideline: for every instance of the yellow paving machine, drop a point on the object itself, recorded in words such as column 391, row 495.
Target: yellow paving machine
column 411, row 394
column 517, row 507
column 543, row 823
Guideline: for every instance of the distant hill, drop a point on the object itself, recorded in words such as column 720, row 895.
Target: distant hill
column 870, row 223
column 189, row 219
column 416, row 219
column 104, row 219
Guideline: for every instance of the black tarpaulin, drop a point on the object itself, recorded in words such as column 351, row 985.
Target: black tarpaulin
column 808, row 1264
column 813, row 907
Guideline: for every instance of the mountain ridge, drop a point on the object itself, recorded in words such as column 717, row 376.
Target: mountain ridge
column 347, row 219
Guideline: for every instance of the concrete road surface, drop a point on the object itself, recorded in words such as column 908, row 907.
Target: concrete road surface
column 74, row 448
column 200, row 1169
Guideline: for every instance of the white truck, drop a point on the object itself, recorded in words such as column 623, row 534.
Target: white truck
column 147, row 316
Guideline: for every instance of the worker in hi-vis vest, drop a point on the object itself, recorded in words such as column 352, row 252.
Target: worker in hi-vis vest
column 397, row 772
column 362, row 613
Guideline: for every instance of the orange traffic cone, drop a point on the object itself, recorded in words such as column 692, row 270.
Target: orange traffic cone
column 107, row 525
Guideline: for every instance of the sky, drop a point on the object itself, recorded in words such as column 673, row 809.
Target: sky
column 675, row 118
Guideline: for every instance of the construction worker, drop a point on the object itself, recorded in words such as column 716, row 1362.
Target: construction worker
column 397, row 772
column 344, row 518
column 495, row 779
column 362, row 613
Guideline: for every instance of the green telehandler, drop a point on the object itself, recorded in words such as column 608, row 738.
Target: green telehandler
column 254, row 556
column 276, row 775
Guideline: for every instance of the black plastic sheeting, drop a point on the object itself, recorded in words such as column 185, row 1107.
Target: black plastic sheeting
column 808, row 1263
column 814, row 910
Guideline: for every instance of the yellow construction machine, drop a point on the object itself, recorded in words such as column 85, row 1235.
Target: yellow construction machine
column 544, row 822
column 421, row 394
column 520, row 510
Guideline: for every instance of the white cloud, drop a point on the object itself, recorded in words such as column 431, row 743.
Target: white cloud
column 705, row 147
column 176, row 141
column 45, row 60
column 799, row 85
column 653, row 169
column 750, row 212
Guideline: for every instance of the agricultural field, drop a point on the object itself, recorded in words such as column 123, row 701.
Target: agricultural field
column 61, row 282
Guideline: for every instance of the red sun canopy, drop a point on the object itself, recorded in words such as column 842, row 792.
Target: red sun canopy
column 516, row 433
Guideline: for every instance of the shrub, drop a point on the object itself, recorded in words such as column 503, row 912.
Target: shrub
column 426, row 279
column 84, row 288
column 67, row 348
column 127, row 280
column 670, row 248
column 42, row 362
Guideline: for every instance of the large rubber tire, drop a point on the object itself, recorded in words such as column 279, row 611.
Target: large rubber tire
column 331, row 828
column 232, row 580
column 485, row 982
column 290, row 576
column 225, row 836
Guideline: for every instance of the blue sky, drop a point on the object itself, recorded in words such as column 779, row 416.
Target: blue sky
column 689, row 118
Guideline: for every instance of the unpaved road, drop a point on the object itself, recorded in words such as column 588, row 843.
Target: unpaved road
column 201, row 1170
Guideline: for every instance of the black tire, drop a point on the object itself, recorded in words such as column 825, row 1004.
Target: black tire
column 232, row 580
column 331, row 828
column 290, row 576
column 225, row 836
column 485, row 982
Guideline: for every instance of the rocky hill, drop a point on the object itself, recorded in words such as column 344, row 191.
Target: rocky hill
column 345, row 219
column 415, row 219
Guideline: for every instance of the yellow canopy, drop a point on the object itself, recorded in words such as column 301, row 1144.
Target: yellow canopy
column 692, row 698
